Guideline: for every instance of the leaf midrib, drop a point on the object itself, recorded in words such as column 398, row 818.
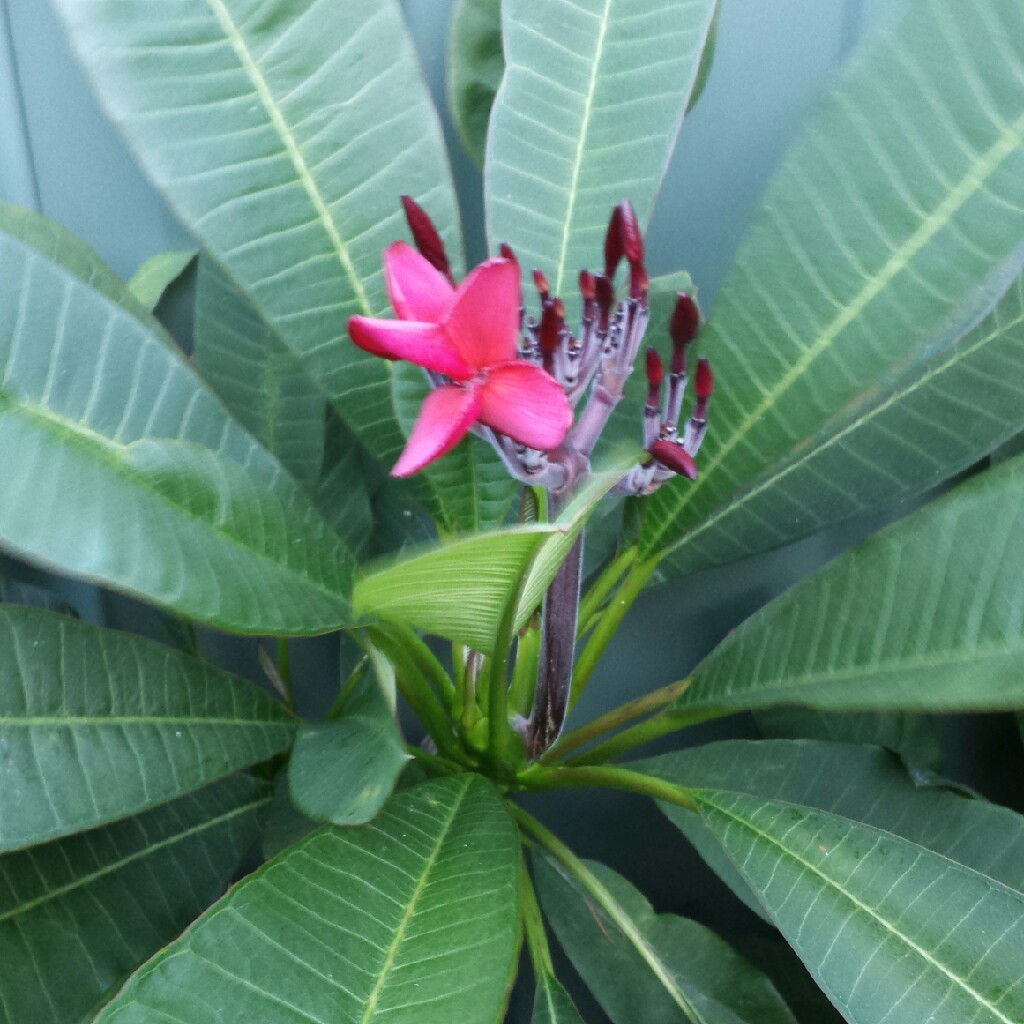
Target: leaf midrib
column 287, row 136
column 147, row 851
column 966, row 188
column 832, row 883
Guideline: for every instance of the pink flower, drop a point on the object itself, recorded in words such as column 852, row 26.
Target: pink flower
column 469, row 335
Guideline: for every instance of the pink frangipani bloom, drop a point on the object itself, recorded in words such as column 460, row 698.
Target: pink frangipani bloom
column 469, row 335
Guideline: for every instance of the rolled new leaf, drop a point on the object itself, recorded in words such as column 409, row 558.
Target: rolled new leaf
column 96, row 725
column 414, row 919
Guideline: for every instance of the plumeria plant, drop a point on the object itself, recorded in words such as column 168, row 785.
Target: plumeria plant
column 464, row 481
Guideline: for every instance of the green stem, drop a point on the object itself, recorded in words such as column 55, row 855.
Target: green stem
column 606, row 901
column 432, row 763
column 613, row 719
column 607, row 625
column 533, row 925
column 603, row 586
column 284, row 671
column 524, row 674
column 643, row 732
column 427, row 661
column 601, row 776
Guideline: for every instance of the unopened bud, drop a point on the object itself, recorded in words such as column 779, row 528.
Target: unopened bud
column 705, row 382
column 540, row 282
column 637, row 281
column 672, row 456
column 655, row 375
column 425, row 236
column 685, row 321
column 552, row 323
column 507, row 254
column 605, row 295
column 588, row 289
column 613, row 244
column 632, row 240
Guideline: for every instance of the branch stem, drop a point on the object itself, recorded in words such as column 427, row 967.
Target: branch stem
column 605, row 777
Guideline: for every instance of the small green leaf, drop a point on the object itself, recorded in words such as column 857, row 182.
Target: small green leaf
column 413, row 919
column 96, row 725
column 840, row 342
column 475, row 66
column 343, row 770
column 890, row 930
column 552, row 1004
column 588, row 111
column 77, row 914
column 863, row 784
column 700, row 979
column 925, row 616
column 157, row 274
column 264, row 385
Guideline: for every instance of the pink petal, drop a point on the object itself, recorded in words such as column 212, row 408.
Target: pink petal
column 527, row 404
column 422, row 344
column 445, row 416
column 418, row 290
column 483, row 320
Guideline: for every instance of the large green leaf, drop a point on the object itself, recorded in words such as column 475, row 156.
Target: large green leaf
column 588, row 112
column 262, row 382
column 130, row 472
column 78, row 914
column 892, row 227
column 412, row 920
column 927, row 615
column 552, row 1004
column 157, row 274
column 671, row 970
column 864, row 784
column 475, row 67
column 344, row 769
column 96, row 725
column 890, row 930
column 283, row 136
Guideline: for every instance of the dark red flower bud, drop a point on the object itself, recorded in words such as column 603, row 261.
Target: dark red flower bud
column 605, row 295
column 637, row 281
column 613, row 246
column 632, row 239
column 425, row 236
column 540, row 282
column 552, row 323
column 507, row 254
column 685, row 321
column 705, row 382
column 588, row 290
column 655, row 375
column 672, row 456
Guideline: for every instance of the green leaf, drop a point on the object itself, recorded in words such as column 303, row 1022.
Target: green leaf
column 457, row 590
column 413, row 918
column 342, row 491
column 475, row 66
column 131, row 473
column 286, row 824
column 707, row 60
column 699, row 979
column 588, row 111
column 78, row 914
column 890, row 930
column 552, row 1004
column 283, row 139
column 913, row 737
column 343, row 770
column 264, row 385
column 863, row 784
column 926, row 616
column 157, row 274
column 892, row 226
column 96, row 725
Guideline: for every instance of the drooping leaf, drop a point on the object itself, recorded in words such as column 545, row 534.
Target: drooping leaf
column 412, row 919
column 893, row 225
column 283, row 139
column 913, row 737
column 927, row 615
column 343, row 770
column 588, row 112
column 157, row 274
column 263, row 383
column 96, row 725
column 131, row 473
column 675, row 970
column 78, row 914
column 863, row 784
column 889, row 929
column 475, row 66
column 552, row 1004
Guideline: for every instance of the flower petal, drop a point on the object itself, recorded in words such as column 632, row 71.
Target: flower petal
column 483, row 320
column 447, row 413
column 418, row 290
column 527, row 404
column 422, row 344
